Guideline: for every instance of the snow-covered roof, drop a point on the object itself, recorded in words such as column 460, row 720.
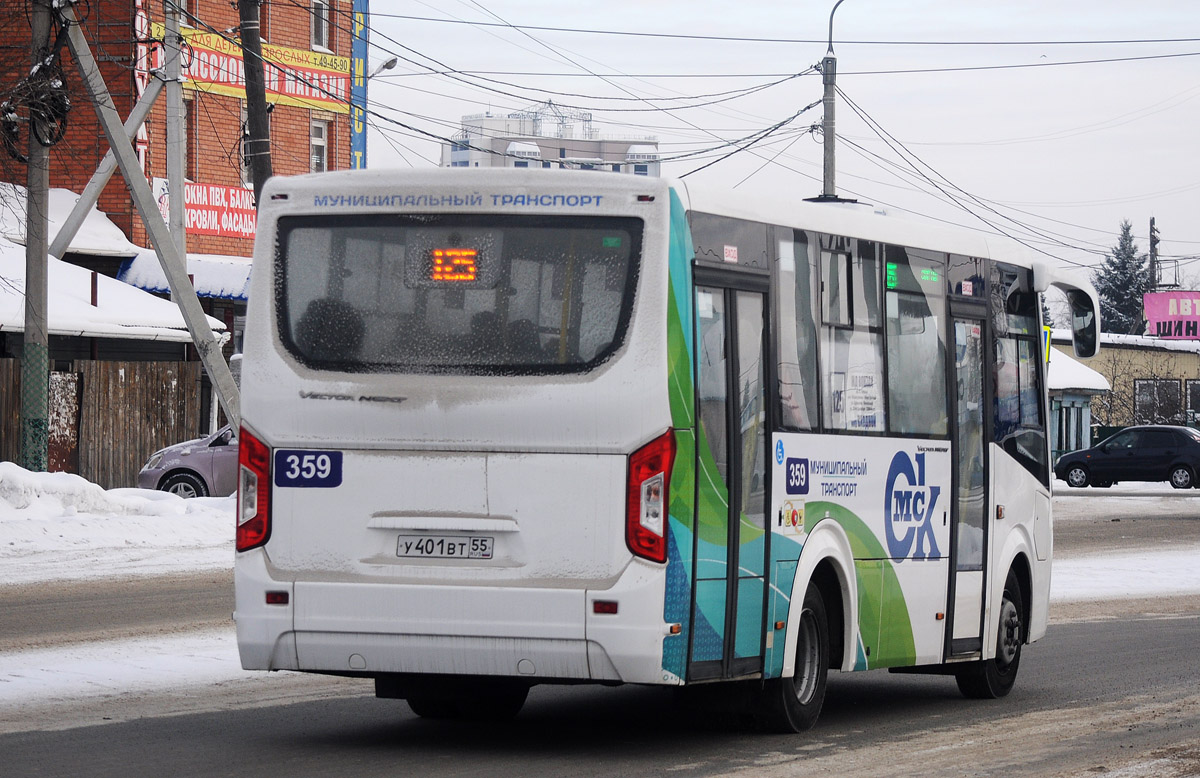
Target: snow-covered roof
column 1134, row 341
column 1069, row 374
column 122, row 311
column 97, row 235
column 213, row 275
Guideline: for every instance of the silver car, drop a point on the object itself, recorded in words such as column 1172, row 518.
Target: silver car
column 195, row 468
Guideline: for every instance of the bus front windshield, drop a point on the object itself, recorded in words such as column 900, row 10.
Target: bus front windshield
column 452, row 293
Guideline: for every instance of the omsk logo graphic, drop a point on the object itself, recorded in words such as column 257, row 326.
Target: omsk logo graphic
column 908, row 509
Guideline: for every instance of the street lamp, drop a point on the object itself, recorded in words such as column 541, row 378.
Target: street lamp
column 382, row 66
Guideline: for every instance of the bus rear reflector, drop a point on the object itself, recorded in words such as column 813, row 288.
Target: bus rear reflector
column 254, row 492
column 646, row 498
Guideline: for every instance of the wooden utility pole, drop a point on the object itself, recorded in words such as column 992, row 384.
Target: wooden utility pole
column 35, row 347
column 258, row 142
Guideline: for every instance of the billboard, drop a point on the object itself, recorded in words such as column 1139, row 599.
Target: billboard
column 211, row 209
column 1173, row 315
column 358, row 86
column 298, row 77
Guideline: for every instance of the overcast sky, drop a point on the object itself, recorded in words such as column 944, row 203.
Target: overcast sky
column 1063, row 152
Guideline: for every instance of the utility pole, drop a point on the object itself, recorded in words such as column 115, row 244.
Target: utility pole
column 258, row 144
column 176, row 131
column 1154, row 280
column 828, row 126
column 35, row 347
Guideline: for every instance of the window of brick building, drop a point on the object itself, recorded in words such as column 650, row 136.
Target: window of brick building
column 318, row 146
column 320, row 24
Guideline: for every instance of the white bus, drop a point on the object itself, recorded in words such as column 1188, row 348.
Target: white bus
column 505, row 427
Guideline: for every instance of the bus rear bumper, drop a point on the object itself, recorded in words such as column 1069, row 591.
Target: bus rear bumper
column 533, row 633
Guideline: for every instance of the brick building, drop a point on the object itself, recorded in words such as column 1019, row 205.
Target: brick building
column 307, row 46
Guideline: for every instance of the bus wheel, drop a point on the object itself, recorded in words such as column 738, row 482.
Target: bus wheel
column 431, row 707
column 488, row 701
column 496, row 702
column 793, row 704
column 991, row 678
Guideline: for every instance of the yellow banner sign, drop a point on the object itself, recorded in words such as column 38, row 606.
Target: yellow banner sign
column 308, row 79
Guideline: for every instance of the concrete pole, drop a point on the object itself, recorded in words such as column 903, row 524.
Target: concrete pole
column 176, row 131
column 828, row 126
column 35, row 348
column 107, row 166
column 172, row 263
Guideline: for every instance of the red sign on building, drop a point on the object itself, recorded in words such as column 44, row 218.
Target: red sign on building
column 212, row 209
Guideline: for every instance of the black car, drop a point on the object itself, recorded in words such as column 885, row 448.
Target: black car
column 1150, row 453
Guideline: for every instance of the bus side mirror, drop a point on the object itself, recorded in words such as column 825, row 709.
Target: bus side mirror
column 1085, row 323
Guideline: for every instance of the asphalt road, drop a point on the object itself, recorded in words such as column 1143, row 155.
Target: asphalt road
column 63, row 612
column 1110, row 691
column 1092, row 697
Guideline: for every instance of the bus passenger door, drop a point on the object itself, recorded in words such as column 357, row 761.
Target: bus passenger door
column 729, row 598
column 970, row 529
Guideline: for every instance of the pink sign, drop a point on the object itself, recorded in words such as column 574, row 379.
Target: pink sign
column 1173, row 315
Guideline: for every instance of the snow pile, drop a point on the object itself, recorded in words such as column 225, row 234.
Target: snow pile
column 57, row 526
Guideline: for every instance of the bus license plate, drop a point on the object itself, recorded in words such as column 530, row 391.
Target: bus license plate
column 444, row 547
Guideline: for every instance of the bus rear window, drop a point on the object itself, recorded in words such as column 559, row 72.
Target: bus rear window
column 456, row 294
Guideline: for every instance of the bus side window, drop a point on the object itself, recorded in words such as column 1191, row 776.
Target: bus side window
column 797, row 357
column 851, row 338
column 1018, row 425
column 916, row 340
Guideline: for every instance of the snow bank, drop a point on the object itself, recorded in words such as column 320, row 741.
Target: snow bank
column 56, row 526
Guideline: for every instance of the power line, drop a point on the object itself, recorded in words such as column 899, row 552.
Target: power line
column 909, row 158
column 822, row 41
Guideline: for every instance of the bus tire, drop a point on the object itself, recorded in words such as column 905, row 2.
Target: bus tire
column 489, row 701
column 989, row 679
column 431, row 707
column 496, row 702
column 793, row 704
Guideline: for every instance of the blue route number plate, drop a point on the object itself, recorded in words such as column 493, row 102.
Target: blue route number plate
column 308, row 469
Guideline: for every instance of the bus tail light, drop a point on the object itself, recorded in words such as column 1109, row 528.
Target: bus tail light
column 254, row 492
column 646, row 498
